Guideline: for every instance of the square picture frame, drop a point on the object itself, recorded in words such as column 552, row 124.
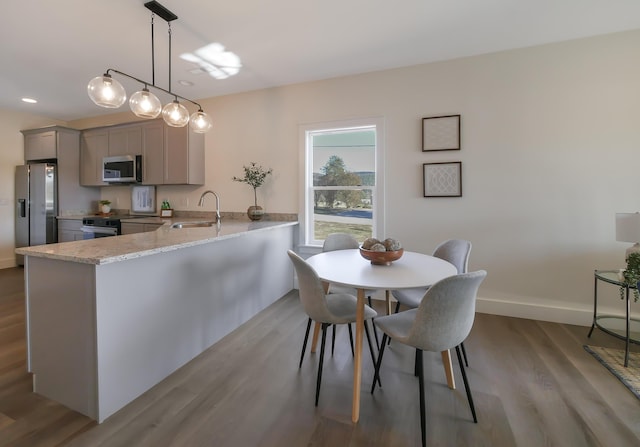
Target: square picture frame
column 442, row 179
column 441, row 133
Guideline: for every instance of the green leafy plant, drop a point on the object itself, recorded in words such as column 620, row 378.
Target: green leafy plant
column 105, row 202
column 254, row 176
column 632, row 275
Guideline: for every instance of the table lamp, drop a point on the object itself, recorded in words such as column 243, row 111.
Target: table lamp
column 628, row 230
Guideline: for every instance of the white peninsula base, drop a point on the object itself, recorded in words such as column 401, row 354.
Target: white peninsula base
column 101, row 335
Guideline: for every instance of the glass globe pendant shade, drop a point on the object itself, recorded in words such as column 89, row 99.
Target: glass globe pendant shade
column 145, row 104
column 175, row 114
column 106, row 92
column 200, row 122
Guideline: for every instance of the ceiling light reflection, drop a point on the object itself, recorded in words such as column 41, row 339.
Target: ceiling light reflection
column 213, row 59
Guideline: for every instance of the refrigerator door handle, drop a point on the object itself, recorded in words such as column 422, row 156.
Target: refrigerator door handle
column 22, row 207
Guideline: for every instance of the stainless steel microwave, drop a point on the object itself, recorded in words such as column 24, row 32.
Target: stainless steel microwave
column 122, row 169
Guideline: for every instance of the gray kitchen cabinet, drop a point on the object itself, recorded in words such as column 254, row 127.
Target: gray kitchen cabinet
column 153, row 153
column 62, row 145
column 40, row 145
column 170, row 155
column 125, row 140
column 69, row 230
column 183, row 156
column 94, row 146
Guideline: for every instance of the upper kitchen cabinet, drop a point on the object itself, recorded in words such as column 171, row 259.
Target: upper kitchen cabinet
column 94, row 146
column 153, row 153
column 183, row 156
column 62, row 146
column 171, row 155
column 125, row 140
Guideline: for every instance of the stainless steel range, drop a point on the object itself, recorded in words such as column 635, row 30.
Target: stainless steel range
column 95, row 227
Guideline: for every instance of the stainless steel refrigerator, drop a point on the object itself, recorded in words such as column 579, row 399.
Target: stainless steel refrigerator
column 36, row 205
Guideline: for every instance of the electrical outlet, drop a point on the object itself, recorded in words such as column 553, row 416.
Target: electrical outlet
column 185, row 201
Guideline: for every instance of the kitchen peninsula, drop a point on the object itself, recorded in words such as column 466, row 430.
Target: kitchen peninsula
column 109, row 318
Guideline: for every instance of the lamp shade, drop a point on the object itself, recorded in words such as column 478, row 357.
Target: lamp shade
column 200, row 122
column 145, row 104
column 106, row 92
column 175, row 114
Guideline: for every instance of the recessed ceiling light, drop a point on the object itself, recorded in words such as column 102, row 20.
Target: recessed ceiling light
column 29, row 100
column 185, row 83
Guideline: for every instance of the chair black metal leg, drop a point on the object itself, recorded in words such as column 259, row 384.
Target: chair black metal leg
column 464, row 354
column 304, row 345
column 397, row 307
column 423, row 422
column 415, row 364
column 376, row 374
column 333, row 340
column 466, row 386
column 320, row 364
column 373, row 356
column 351, row 339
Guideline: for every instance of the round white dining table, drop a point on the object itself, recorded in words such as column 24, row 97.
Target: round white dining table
column 349, row 268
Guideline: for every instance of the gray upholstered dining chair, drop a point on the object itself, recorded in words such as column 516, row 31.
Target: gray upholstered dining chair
column 442, row 321
column 344, row 241
column 455, row 251
column 339, row 309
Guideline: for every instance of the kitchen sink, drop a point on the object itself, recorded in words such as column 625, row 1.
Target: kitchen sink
column 207, row 223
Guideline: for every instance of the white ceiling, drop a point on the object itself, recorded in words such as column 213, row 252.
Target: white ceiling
column 50, row 49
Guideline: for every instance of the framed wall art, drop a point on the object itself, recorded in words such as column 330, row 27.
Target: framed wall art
column 442, row 179
column 441, row 133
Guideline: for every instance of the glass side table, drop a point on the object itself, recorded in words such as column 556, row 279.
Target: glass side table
column 606, row 323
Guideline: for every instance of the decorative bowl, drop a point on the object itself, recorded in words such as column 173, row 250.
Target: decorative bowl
column 381, row 257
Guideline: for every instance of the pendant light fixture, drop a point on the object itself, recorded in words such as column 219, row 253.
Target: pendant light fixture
column 108, row 92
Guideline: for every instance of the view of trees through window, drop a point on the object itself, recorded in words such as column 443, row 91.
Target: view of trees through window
column 343, row 182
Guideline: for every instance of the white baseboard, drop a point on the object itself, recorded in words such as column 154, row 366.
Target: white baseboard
column 7, row 263
column 553, row 312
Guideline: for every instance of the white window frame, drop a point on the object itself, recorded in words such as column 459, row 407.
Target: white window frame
column 305, row 207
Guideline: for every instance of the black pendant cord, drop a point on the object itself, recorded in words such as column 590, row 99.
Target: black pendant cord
column 153, row 54
column 169, row 23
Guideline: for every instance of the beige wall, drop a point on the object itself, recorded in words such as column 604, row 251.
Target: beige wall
column 550, row 146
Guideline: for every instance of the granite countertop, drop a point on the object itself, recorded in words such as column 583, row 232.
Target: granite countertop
column 120, row 248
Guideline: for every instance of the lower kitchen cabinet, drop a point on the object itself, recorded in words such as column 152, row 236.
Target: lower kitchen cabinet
column 69, row 230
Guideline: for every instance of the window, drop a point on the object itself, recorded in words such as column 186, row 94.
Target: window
column 342, row 180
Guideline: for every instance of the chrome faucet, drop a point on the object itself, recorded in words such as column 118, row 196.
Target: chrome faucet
column 201, row 203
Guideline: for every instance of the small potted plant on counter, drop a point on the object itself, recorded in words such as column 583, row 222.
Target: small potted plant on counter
column 105, row 206
column 254, row 176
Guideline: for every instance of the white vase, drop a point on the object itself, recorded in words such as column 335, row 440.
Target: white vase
column 106, row 209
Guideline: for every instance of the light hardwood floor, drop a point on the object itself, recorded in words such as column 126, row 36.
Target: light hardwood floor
column 533, row 383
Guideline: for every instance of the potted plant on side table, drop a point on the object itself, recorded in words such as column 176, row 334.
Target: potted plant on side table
column 254, row 176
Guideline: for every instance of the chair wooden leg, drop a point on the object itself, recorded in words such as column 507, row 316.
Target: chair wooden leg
column 423, row 422
column 304, row 345
column 373, row 356
column 466, row 386
column 320, row 364
column 351, row 339
column 376, row 374
column 464, row 354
